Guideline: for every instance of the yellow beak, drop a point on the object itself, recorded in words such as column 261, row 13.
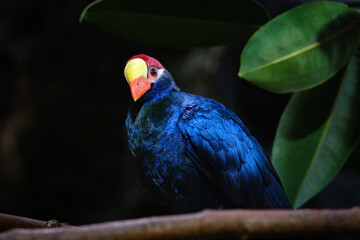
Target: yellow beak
column 136, row 75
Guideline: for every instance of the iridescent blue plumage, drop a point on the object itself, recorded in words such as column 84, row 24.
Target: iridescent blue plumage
column 194, row 153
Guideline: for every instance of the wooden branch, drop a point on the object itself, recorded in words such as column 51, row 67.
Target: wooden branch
column 8, row 222
column 210, row 224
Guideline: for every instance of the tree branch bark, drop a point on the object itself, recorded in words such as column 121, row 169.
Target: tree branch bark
column 210, row 224
column 8, row 222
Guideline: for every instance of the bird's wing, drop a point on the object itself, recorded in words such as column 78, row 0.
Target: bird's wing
column 223, row 149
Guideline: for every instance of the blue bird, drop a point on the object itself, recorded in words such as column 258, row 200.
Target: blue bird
column 193, row 152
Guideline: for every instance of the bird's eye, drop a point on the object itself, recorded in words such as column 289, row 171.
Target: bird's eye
column 153, row 72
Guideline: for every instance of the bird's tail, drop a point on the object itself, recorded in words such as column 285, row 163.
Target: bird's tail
column 274, row 194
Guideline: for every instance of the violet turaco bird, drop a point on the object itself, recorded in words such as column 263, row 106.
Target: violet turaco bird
column 193, row 152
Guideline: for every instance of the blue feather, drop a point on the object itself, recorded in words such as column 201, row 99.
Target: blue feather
column 194, row 153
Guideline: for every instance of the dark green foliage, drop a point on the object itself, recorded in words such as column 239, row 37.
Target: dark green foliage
column 316, row 134
column 294, row 51
column 181, row 24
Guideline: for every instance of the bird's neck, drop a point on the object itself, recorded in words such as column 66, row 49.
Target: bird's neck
column 159, row 90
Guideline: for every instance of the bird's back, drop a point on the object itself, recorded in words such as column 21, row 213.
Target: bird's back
column 195, row 153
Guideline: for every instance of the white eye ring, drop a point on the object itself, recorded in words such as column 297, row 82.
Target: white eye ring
column 159, row 73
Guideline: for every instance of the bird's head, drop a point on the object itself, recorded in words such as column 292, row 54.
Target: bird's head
column 141, row 72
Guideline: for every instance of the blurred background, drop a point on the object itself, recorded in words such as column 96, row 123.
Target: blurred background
column 63, row 103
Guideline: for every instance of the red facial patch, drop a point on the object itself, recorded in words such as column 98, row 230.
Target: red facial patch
column 150, row 62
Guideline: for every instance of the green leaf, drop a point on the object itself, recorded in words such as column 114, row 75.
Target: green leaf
column 301, row 48
column 316, row 134
column 180, row 24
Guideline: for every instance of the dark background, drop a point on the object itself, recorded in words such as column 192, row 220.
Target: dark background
column 63, row 102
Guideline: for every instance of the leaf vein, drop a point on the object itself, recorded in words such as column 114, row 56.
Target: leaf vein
column 324, row 132
column 303, row 50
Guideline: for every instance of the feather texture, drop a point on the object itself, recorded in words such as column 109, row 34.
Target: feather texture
column 194, row 153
